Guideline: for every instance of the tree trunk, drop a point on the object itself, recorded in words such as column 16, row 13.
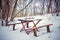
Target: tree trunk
column 56, row 1
column 7, row 12
column 1, row 13
column 14, row 9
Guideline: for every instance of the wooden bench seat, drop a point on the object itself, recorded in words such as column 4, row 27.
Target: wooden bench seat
column 13, row 25
column 32, row 29
column 19, row 23
column 22, row 21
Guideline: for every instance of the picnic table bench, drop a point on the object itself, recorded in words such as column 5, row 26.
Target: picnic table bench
column 13, row 25
column 22, row 22
column 28, row 21
column 34, row 29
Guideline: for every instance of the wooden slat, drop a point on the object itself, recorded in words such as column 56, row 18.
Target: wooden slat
column 38, row 27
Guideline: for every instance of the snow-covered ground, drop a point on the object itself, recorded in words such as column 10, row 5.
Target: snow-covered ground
column 6, row 33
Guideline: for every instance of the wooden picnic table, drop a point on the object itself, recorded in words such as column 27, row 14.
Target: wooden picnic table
column 27, row 23
column 34, row 27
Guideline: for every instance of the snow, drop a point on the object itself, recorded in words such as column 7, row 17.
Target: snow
column 6, row 33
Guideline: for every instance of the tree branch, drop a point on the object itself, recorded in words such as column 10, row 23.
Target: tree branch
column 22, row 9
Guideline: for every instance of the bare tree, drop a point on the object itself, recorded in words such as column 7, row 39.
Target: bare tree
column 21, row 10
column 14, row 9
column 1, row 12
column 49, row 6
column 57, row 7
column 8, row 8
column 43, row 7
column 5, row 11
column 0, row 7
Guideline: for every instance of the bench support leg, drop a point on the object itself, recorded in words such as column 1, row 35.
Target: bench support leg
column 48, row 29
column 14, row 27
column 35, row 32
column 2, row 23
column 27, row 25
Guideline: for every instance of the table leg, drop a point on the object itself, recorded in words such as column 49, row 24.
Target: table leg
column 23, row 28
column 27, row 25
column 35, row 32
column 48, row 29
column 14, row 27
